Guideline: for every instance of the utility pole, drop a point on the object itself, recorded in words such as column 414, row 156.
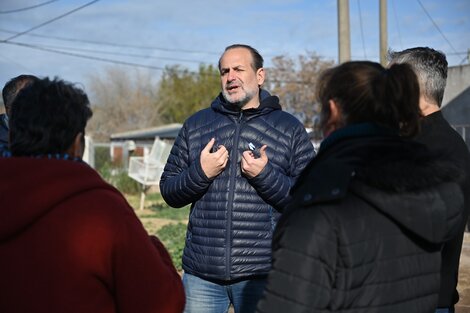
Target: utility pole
column 383, row 32
column 344, row 40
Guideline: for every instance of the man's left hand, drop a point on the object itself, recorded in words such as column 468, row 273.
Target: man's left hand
column 252, row 166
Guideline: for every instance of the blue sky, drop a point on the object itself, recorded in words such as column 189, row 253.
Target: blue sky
column 158, row 33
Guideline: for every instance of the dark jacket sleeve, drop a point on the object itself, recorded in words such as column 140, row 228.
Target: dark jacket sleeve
column 304, row 260
column 274, row 186
column 183, row 181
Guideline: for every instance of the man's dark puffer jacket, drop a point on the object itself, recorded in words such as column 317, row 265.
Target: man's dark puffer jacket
column 232, row 218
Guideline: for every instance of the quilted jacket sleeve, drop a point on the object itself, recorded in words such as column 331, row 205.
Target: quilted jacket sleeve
column 182, row 181
column 272, row 184
column 304, row 260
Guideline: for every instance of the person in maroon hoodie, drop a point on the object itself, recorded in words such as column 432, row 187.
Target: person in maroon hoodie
column 70, row 242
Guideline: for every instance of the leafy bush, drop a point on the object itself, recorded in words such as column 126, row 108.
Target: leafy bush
column 102, row 158
column 125, row 184
column 162, row 210
column 173, row 237
column 119, row 178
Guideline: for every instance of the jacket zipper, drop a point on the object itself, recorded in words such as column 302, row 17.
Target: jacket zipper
column 233, row 173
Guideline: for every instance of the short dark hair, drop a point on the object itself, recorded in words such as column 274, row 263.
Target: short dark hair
column 258, row 60
column 367, row 92
column 13, row 87
column 46, row 117
column 431, row 68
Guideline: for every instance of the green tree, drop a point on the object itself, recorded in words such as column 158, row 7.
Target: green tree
column 182, row 93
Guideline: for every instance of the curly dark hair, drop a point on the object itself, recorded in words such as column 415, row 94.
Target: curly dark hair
column 46, row 117
column 13, row 87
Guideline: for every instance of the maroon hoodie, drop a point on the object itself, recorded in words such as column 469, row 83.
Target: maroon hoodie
column 69, row 242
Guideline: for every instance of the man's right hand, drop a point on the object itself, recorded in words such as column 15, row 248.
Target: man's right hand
column 213, row 163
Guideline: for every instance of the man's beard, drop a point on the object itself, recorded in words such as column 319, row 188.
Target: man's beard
column 240, row 103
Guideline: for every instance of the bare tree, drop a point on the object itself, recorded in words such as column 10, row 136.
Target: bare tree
column 122, row 101
column 294, row 82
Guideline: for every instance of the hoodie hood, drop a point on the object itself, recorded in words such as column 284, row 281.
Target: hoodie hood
column 398, row 177
column 31, row 187
column 432, row 214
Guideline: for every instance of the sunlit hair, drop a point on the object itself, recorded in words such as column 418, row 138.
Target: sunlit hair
column 13, row 87
column 46, row 117
column 257, row 59
column 431, row 68
column 367, row 92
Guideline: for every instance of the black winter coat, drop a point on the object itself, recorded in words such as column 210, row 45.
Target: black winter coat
column 365, row 228
column 439, row 136
column 232, row 218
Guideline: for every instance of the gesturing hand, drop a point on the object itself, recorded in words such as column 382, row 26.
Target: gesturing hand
column 213, row 163
column 252, row 166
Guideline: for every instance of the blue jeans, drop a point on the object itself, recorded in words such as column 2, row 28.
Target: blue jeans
column 444, row 310
column 204, row 296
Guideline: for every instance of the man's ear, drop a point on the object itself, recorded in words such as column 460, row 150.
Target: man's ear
column 78, row 146
column 333, row 122
column 260, row 76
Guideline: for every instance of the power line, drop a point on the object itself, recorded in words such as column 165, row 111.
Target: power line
column 145, row 56
column 27, row 8
column 103, row 43
column 83, row 56
column 19, row 64
column 118, row 62
column 362, row 30
column 435, row 25
column 50, row 21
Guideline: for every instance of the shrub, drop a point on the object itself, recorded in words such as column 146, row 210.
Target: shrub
column 102, row 157
column 163, row 210
column 125, row 184
column 173, row 237
column 119, row 178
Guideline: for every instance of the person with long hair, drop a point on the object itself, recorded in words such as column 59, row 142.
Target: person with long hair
column 371, row 211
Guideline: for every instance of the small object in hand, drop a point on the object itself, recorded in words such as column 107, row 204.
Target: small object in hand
column 215, row 147
column 254, row 150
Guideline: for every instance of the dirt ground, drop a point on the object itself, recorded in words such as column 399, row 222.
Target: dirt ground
column 464, row 277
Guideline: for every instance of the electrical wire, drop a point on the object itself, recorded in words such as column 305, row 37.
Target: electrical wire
column 19, row 64
column 362, row 29
column 28, row 8
column 118, row 62
column 103, row 43
column 144, row 56
column 50, row 21
column 83, row 56
column 435, row 25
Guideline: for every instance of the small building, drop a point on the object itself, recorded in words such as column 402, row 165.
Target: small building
column 139, row 142
column 456, row 102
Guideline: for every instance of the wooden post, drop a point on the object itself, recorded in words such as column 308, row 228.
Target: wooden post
column 344, row 40
column 383, row 33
